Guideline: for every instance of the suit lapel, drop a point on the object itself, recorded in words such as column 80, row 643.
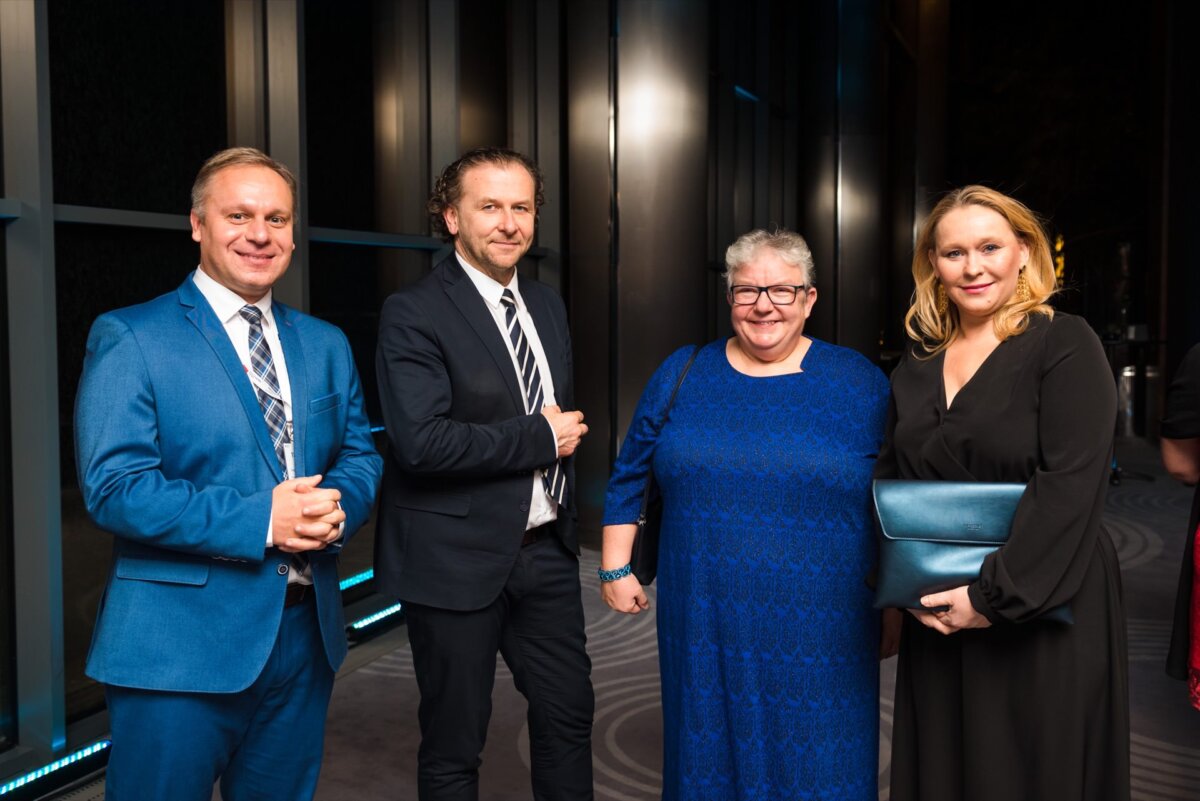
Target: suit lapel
column 293, row 356
column 466, row 297
column 201, row 315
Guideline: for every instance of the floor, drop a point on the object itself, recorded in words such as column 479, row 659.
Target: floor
column 372, row 737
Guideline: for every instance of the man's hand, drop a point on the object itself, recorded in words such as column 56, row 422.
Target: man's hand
column 304, row 517
column 568, row 428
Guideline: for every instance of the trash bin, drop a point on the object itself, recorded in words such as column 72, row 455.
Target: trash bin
column 1143, row 422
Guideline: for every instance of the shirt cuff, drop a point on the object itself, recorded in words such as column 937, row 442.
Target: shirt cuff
column 553, row 440
column 341, row 528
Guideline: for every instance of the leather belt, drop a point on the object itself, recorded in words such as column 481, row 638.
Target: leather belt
column 297, row 593
column 537, row 533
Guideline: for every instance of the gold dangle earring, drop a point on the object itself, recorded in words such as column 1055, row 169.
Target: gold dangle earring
column 1022, row 292
column 943, row 301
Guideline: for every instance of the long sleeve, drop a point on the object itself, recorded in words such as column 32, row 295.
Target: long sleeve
column 885, row 465
column 357, row 466
column 120, row 461
column 627, row 482
column 1055, row 529
column 427, row 436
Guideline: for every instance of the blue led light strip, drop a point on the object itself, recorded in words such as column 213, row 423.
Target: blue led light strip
column 745, row 94
column 356, row 579
column 375, row 618
column 70, row 759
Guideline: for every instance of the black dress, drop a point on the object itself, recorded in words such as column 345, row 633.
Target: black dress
column 1182, row 421
column 1026, row 709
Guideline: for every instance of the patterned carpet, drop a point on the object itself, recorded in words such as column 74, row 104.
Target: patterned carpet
column 371, row 748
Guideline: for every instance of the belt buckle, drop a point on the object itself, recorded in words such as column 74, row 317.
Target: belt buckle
column 296, row 593
column 536, row 533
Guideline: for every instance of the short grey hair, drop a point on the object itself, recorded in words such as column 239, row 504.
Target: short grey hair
column 788, row 245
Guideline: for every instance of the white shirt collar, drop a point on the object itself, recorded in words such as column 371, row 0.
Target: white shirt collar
column 489, row 287
column 226, row 303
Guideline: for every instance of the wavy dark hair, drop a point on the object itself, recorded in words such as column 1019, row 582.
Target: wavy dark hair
column 448, row 187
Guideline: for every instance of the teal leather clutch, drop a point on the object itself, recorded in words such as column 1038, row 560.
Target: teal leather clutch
column 935, row 535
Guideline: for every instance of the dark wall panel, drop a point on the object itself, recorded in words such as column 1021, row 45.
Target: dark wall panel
column 589, row 257
column 818, row 153
column 662, row 159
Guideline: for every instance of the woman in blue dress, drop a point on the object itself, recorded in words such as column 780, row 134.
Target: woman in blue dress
column 768, row 644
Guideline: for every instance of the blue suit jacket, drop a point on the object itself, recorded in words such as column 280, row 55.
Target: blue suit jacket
column 176, row 461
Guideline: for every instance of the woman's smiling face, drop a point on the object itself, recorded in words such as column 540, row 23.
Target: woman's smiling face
column 977, row 256
column 767, row 332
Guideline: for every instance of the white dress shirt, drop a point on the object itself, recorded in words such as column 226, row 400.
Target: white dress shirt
column 227, row 305
column 542, row 508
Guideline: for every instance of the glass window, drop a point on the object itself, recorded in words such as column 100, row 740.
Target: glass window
column 8, row 655
column 339, row 53
column 348, row 285
column 137, row 100
column 99, row 268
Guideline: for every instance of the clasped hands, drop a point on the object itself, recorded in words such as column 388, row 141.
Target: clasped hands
column 959, row 614
column 568, row 428
column 305, row 517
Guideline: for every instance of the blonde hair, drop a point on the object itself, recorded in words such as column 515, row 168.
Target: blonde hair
column 936, row 331
column 240, row 157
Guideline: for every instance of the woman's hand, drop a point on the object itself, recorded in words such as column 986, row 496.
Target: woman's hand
column 625, row 595
column 958, row 616
column 890, row 628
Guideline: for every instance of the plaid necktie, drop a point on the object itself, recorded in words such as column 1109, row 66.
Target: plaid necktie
column 554, row 478
column 270, row 398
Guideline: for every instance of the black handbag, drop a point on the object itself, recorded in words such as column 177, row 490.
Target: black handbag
column 644, row 559
column 934, row 536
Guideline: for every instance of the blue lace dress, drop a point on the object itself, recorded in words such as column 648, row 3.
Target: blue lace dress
column 768, row 644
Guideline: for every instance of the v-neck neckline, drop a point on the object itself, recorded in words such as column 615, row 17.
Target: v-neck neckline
column 947, row 403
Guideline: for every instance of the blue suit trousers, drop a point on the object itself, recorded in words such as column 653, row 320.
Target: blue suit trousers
column 263, row 743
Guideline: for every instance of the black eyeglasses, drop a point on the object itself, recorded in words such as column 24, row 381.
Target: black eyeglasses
column 779, row 294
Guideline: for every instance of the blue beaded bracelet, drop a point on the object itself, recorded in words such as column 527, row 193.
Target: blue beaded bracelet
column 612, row 575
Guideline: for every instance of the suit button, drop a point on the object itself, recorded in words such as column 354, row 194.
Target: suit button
column 525, row 507
column 282, row 570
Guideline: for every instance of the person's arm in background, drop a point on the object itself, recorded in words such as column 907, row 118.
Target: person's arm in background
column 1181, row 423
column 1181, row 457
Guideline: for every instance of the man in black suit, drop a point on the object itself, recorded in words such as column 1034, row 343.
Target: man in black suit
column 476, row 531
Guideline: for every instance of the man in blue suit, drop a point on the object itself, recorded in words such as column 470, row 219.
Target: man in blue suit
column 221, row 439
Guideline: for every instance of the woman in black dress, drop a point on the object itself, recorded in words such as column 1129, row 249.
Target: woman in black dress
column 1181, row 455
column 991, row 701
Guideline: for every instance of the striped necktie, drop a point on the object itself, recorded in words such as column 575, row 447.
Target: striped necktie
column 554, row 478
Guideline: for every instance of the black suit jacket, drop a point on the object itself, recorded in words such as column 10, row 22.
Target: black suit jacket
column 458, row 476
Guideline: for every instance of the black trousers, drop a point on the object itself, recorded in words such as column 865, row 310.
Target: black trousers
column 536, row 623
